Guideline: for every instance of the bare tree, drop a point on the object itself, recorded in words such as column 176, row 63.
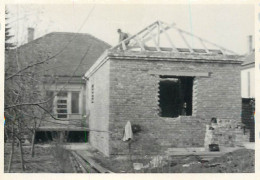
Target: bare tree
column 26, row 102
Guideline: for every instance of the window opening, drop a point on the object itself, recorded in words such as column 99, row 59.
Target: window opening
column 175, row 96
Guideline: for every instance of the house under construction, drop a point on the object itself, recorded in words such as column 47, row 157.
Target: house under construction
column 170, row 90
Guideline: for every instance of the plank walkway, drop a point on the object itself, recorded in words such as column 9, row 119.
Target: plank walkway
column 88, row 165
column 201, row 152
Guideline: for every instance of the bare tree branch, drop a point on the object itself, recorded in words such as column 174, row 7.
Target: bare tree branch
column 55, row 55
column 55, row 94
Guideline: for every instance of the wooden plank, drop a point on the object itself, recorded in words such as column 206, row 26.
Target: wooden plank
column 179, row 73
column 85, row 166
column 80, row 161
column 93, row 164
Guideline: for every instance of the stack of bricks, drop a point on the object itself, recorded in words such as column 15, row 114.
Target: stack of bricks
column 225, row 132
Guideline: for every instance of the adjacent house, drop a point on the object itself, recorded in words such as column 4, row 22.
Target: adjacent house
column 170, row 93
column 248, row 76
column 72, row 54
column 248, row 90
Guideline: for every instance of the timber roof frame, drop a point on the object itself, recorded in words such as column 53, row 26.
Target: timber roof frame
column 138, row 41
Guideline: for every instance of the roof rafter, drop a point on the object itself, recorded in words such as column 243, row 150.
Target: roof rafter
column 138, row 42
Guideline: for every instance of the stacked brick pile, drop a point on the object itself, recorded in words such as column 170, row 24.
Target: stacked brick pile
column 225, row 133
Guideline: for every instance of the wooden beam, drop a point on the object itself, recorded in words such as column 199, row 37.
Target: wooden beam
column 154, row 40
column 221, row 48
column 179, row 73
column 186, row 42
column 137, row 34
column 83, row 165
column 161, row 31
column 174, row 49
column 92, row 163
column 123, row 45
column 205, row 47
column 140, row 43
column 158, row 33
column 147, row 33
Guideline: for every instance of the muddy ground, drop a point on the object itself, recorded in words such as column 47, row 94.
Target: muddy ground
column 239, row 161
column 57, row 160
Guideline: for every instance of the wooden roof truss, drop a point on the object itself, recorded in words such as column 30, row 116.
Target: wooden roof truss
column 157, row 29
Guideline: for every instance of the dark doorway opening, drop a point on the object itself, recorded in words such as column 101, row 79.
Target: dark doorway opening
column 77, row 136
column 175, row 96
column 43, row 136
column 68, row 136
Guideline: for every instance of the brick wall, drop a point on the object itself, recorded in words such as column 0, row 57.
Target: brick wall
column 134, row 97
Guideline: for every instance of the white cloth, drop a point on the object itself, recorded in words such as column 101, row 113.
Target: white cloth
column 128, row 134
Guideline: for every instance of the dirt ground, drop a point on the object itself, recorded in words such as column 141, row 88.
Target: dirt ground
column 54, row 159
column 239, row 161
column 46, row 160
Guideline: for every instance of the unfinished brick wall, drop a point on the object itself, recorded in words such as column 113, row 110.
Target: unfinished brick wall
column 134, row 97
column 225, row 133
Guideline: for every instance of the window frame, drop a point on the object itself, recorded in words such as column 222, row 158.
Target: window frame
column 68, row 104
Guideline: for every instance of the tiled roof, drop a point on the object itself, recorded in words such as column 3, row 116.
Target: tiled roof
column 249, row 59
column 70, row 47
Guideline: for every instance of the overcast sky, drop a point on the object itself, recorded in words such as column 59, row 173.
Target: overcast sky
column 225, row 25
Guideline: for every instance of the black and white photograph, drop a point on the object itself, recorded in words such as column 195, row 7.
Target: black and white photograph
column 129, row 88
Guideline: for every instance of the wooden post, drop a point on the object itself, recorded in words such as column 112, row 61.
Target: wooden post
column 154, row 40
column 61, row 133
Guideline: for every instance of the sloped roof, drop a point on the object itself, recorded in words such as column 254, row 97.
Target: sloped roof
column 249, row 59
column 74, row 53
